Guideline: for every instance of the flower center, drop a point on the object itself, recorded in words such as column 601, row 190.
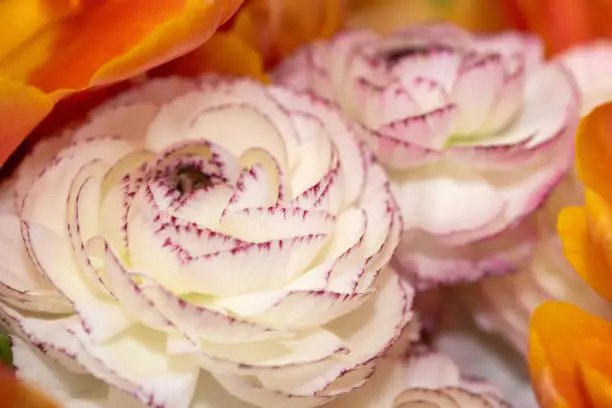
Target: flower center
column 393, row 56
column 189, row 179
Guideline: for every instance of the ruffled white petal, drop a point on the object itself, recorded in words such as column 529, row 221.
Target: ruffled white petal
column 475, row 131
column 205, row 240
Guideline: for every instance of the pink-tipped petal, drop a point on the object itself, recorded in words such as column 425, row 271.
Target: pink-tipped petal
column 66, row 388
column 474, row 130
column 427, row 264
column 228, row 231
column 419, row 379
column 21, row 283
column 101, row 318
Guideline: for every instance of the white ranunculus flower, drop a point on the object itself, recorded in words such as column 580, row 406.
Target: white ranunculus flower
column 199, row 243
column 474, row 131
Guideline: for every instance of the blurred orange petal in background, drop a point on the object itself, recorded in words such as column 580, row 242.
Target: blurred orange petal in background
column 571, row 350
column 385, row 16
column 56, row 47
column 16, row 394
column 260, row 35
column 570, row 357
column 561, row 23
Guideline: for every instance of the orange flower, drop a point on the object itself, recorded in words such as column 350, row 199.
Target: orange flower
column 570, row 357
column 57, row 47
column 562, row 23
column 586, row 231
column 385, row 16
column 16, row 394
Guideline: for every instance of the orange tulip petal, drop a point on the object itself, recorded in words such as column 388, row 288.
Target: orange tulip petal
column 171, row 39
column 224, row 53
column 21, row 108
column 582, row 252
column 596, row 369
column 60, row 46
column 594, row 151
column 541, row 376
column 98, row 42
column 599, row 220
column 558, row 332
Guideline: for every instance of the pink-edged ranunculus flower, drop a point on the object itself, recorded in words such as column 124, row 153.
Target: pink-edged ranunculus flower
column 422, row 378
column 504, row 304
column 200, row 243
column 474, row 132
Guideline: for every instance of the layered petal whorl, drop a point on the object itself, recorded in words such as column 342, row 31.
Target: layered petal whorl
column 209, row 231
column 421, row 379
column 504, row 304
column 474, row 132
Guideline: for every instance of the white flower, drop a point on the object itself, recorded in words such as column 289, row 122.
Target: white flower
column 474, row 132
column 421, row 379
column 590, row 65
column 198, row 237
column 504, row 304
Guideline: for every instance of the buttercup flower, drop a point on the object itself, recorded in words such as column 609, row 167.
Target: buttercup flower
column 46, row 49
column 474, row 133
column 201, row 237
column 571, row 370
column 504, row 304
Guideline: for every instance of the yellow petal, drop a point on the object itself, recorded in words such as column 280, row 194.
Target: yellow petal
column 583, row 253
column 594, row 151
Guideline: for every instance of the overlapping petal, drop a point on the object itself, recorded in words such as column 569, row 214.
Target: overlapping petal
column 504, row 304
column 423, row 378
column 49, row 53
column 573, row 369
column 210, row 228
column 471, row 138
column 589, row 64
column 585, row 230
